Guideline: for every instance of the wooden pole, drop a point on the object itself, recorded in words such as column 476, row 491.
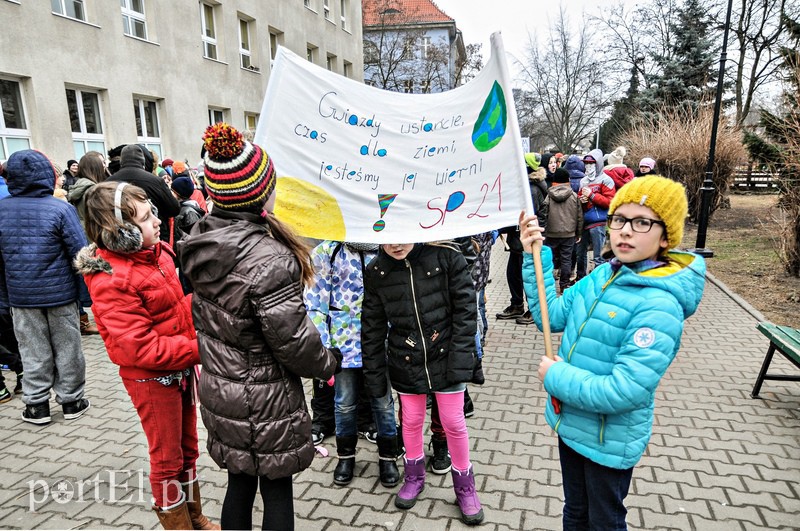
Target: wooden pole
column 537, row 266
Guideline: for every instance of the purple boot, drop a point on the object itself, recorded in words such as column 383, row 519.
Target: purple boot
column 413, row 485
column 467, row 498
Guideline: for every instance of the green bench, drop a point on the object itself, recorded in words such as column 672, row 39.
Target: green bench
column 785, row 340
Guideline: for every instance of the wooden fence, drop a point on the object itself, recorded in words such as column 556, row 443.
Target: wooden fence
column 747, row 179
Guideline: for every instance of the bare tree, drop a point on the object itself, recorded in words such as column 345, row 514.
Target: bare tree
column 470, row 65
column 638, row 37
column 758, row 34
column 568, row 82
column 400, row 54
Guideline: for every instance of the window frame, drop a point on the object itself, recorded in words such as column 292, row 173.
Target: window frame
column 246, row 52
column 209, row 42
column 14, row 133
column 326, row 10
column 128, row 13
column 140, row 118
column 424, row 47
column 344, row 8
column 248, row 116
column 212, row 115
column 82, row 137
column 62, row 4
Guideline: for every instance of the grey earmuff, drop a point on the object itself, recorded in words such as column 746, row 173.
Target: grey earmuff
column 127, row 238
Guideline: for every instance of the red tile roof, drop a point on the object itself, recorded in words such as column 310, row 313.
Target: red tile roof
column 378, row 12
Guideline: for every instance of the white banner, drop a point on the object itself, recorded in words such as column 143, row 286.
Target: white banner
column 357, row 163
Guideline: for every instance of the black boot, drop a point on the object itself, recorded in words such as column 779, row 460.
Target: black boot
column 477, row 372
column 440, row 463
column 387, row 467
column 346, row 449
column 469, row 407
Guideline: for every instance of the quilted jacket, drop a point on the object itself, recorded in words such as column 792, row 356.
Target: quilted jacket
column 256, row 342
column 143, row 316
column 334, row 300
column 621, row 331
column 425, row 306
column 39, row 237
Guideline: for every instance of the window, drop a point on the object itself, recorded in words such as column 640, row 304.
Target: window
column 245, row 52
column 408, row 49
column 425, row 86
column 307, row 3
column 330, row 63
column 209, row 32
column 343, row 9
column 311, row 52
column 347, row 69
column 133, row 19
column 215, row 115
column 147, row 128
column 86, row 122
column 408, row 86
column 69, row 8
column 326, row 9
column 425, row 47
column 273, row 45
column 250, row 121
column 14, row 134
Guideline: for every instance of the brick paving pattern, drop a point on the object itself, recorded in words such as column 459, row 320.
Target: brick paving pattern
column 717, row 459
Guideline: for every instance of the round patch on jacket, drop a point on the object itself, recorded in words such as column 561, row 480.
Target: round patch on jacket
column 644, row 337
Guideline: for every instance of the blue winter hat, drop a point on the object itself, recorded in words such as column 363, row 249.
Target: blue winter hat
column 183, row 186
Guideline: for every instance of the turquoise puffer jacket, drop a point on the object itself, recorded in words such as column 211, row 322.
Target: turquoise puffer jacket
column 621, row 331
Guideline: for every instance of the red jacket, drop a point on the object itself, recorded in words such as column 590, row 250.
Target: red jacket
column 140, row 309
column 620, row 174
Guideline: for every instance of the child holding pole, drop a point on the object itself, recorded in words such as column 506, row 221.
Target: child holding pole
column 622, row 326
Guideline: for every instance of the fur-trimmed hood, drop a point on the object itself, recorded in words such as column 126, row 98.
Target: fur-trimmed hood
column 538, row 175
column 87, row 262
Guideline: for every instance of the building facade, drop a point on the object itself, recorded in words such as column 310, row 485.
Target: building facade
column 410, row 46
column 80, row 75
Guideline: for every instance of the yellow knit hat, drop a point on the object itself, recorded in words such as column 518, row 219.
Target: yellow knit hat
column 663, row 196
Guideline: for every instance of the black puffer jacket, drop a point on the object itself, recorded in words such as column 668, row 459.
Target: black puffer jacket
column 426, row 306
column 256, row 341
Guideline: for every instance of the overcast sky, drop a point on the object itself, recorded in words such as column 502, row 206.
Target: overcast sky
column 478, row 19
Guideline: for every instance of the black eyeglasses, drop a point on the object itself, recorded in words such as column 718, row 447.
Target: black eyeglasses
column 616, row 222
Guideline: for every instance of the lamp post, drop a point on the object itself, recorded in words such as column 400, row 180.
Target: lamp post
column 707, row 190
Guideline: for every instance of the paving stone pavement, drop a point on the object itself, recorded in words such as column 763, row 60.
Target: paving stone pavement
column 718, row 459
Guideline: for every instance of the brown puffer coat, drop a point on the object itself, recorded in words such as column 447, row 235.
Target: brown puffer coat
column 256, row 341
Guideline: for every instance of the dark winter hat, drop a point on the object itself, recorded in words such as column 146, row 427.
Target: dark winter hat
column 238, row 175
column 560, row 176
column 70, row 162
column 183, row 186
column 132, row 153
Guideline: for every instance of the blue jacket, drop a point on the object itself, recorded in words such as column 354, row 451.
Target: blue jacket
column 621, row 331
column 576, row 169
column 334, row 300
column 3, row 188
column 39, row 237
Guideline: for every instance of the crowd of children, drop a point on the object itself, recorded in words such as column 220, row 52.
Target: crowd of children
column 176, row 284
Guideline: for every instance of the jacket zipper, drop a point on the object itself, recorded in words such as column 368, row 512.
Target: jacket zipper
column 419, row 324
column 602, row 427
column 572, row 348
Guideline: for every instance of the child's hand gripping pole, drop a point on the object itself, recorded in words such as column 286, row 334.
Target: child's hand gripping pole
column 536, row 250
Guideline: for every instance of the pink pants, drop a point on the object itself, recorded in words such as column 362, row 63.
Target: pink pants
column 451, row 412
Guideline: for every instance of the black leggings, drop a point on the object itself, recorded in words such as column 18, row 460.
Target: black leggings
column 276, row 494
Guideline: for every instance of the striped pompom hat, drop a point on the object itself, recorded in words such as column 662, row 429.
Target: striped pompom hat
column 238, row 175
